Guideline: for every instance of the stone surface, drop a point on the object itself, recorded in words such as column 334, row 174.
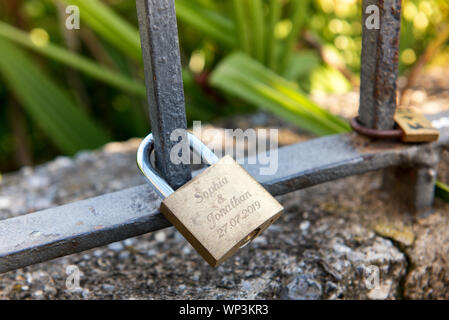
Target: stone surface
column 326, row 245
column 428, row 277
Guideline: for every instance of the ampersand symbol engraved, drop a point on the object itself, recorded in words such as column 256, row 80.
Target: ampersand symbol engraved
column 220, row 198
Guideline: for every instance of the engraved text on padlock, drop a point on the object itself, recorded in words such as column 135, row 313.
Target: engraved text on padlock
column 219, row 210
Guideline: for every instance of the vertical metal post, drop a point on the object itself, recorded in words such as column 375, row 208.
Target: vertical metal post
column 379, row 68
column 163, row 76
column 414, row 184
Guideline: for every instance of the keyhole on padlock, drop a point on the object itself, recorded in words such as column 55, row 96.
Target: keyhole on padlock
column 250, row 237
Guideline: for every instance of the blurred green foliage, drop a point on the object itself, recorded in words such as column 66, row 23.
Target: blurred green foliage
column 63, row 91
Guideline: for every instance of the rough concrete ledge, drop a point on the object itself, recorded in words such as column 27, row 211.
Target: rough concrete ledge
column 328, row 245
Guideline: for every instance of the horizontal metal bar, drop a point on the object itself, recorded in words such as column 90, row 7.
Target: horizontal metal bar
column 78, row 226
column 52, row 233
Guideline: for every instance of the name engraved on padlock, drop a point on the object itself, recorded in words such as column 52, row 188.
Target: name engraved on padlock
column 220, row 210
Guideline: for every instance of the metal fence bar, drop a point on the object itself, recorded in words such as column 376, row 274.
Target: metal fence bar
column 52, row 233
column 163, row 76
column 379, row 67
column 379, row 70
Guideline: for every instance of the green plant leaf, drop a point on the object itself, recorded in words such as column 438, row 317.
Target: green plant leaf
column 442, row 191
column 104, row 21
column 301, row 64
column 275, row 11
column 241, row 76
column 241, row 26
column 94, row 70
column 329, row 80
column 257, row 22
column 74, row 60
column 208, row 22
column 110, row 26
column 125, row 37
column 298, row 18
column 65, row 123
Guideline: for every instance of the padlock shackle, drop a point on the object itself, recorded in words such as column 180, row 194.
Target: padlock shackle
column 161, row 187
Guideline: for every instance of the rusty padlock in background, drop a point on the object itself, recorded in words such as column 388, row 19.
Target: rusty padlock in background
column 415, row 127
column 219, row 210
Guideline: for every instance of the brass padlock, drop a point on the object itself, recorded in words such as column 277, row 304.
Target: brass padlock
column 415, row 127
column 219, row 210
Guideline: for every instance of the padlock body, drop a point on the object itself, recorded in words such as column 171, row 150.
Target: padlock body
column 220, row 210
column 415, row 127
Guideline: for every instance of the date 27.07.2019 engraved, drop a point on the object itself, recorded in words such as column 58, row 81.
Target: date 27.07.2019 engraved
column 233, row 222
column 215, row 217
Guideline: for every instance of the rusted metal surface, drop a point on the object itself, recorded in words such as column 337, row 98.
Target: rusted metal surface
column 163, row 77
column 83, row 225
column 379, row 67
column 414, row 183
